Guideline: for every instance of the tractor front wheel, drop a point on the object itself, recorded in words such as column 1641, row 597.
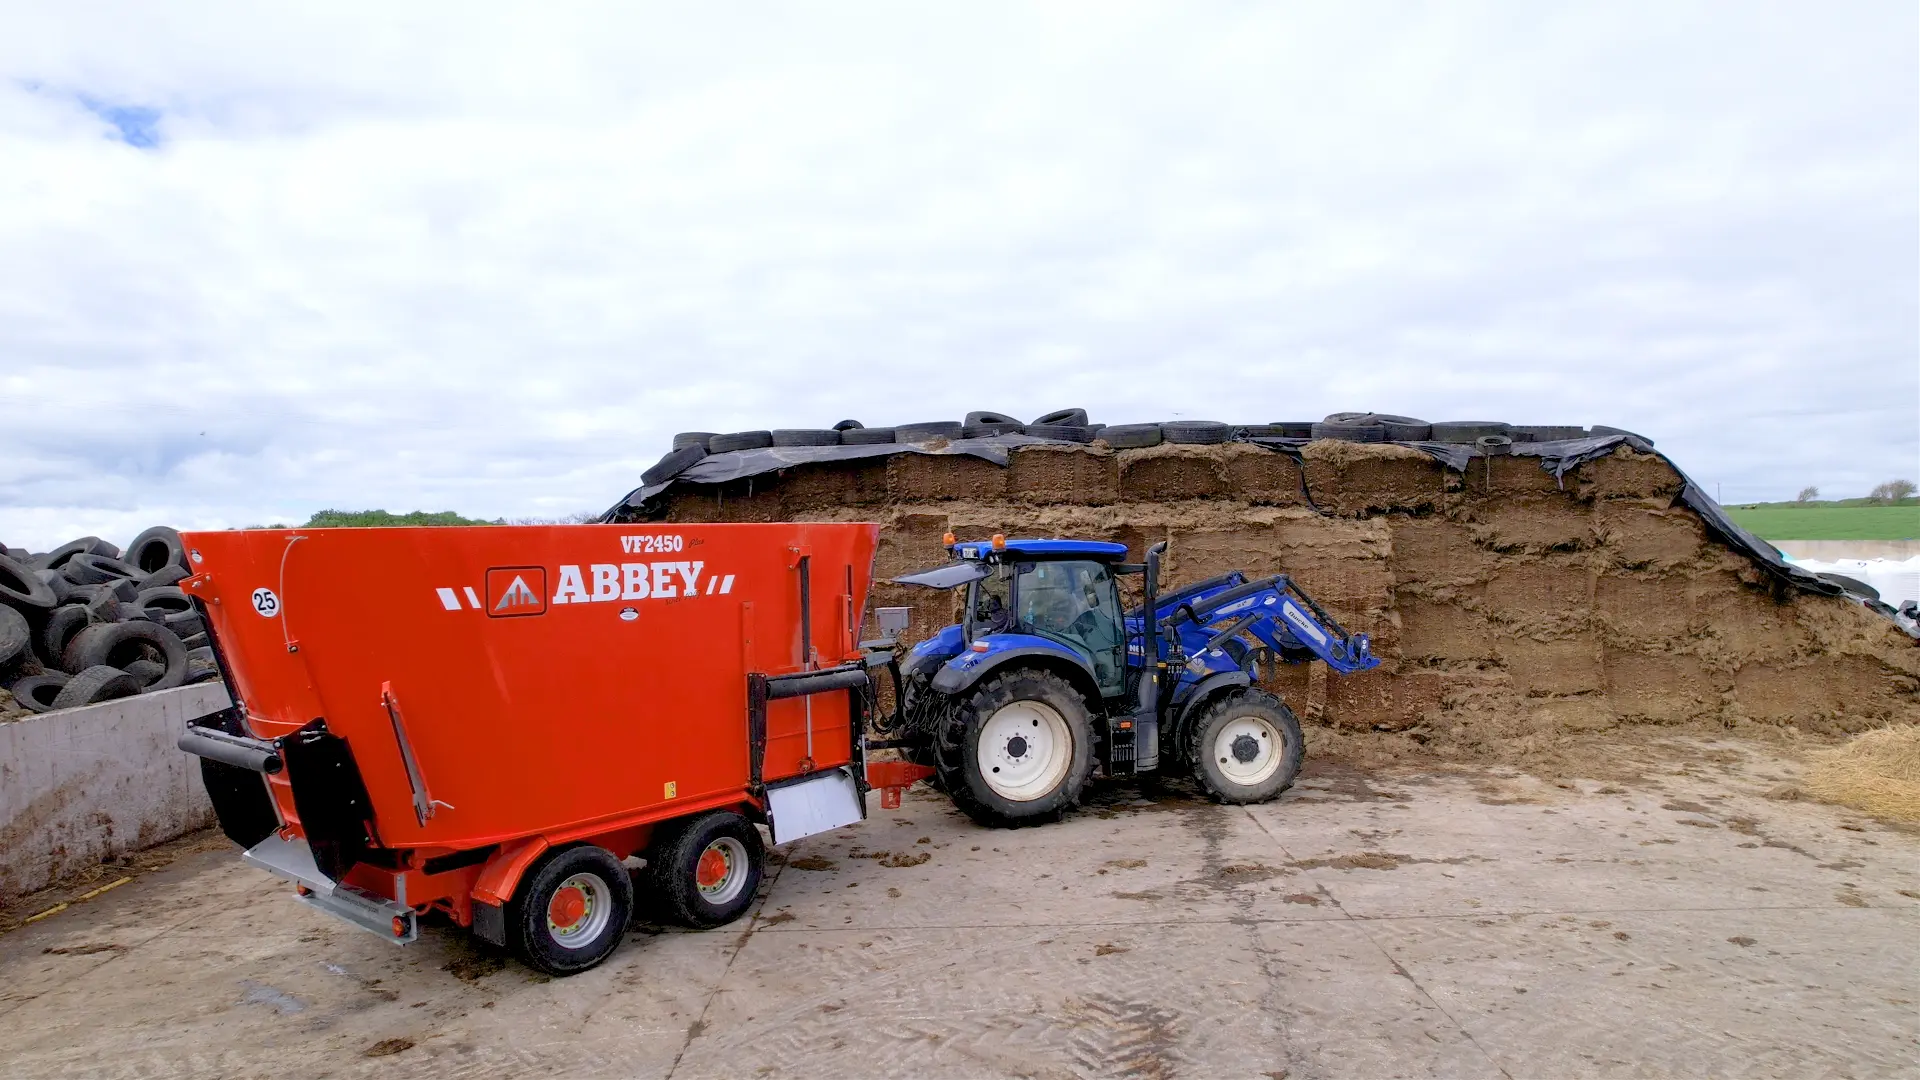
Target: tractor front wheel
column 1246, row 747
column 1018, row 750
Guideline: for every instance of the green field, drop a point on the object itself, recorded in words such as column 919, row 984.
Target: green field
column 1848, row 519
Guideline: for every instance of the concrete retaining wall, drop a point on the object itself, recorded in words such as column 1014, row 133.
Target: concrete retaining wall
column 84, row 785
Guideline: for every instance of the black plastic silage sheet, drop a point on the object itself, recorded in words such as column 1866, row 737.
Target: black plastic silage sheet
column 1557, row 458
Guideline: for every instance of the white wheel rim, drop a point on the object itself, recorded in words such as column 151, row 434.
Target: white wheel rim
column 584, row 930
column 1025, row 750
column 1251, row 762
column 721, row 887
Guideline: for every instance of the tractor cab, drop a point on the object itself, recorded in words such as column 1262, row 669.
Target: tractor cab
column 1024, row 596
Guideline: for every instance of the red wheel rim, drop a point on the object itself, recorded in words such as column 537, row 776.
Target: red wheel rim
column 711, row 870
column 567, row 908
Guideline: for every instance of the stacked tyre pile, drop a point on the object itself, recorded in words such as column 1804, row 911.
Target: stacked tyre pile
column 88, row 622
column 1071, row 425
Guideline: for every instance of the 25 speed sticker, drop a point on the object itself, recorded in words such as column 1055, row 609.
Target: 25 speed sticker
column 264, row 602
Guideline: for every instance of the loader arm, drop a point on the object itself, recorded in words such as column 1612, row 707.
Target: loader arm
column 1278, row 613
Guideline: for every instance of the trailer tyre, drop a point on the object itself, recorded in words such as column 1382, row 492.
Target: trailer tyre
column 570, row 914
column 704, row 871
column 1018, row 750
column 1246, row 747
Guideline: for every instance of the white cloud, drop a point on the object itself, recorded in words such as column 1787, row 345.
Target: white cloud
column 490, row 262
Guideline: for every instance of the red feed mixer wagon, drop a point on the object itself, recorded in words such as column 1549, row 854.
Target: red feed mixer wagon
column 484, row 722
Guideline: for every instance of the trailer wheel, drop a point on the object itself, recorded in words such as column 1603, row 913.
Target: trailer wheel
column 1246, row 747
column 570, row 914
column 1018, row 750
column 705, row 870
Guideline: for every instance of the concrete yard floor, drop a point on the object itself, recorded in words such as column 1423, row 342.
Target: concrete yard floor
column 1457, row 924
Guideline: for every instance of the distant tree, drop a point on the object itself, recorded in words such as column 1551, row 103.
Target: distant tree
column 363, row 519
column 1892, row 491
column 1807, row 494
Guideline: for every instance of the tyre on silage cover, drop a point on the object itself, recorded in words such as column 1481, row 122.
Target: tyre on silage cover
column 866, row 436
column 1074, row 433
column 1130, row 436
column 1195, row 432
column 1018, row 750
column 990, row 418
column 1068, row 417
column 94, row 685
column 118, row 644
column 806, row 437
column 693, row 438
column 740, row 440
column 927, row 431
column 673, row 464
column 1359, row 431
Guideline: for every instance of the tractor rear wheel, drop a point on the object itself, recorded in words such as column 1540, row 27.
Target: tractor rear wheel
column 1246, row 747
column 1018, row 750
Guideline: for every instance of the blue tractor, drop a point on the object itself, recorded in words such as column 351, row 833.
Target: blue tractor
column 1048, row 677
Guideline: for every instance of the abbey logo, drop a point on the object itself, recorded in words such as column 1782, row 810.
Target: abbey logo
column 516, row 590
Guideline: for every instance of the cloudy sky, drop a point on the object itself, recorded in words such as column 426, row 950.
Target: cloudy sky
column 254, row 262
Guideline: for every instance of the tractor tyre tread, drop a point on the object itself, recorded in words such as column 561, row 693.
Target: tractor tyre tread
column 956, row 748
column 1226, row 707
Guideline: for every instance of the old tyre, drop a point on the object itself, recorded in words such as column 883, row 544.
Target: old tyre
column 186, row 625
column 147, row 671
column 1131, row 436
column 866, row 436
column 673, row 464
column 1493, row 445
column 692, row 438
column 927, row 432
column 806, row 437
column 163, row 577
column 119, row 644
column 21, row 587
column 1195, row 432
column 66, row 621
column 986, row 430
column 848, row 425
column 1294, row 429
column 1073, row 433
column 164, row 602
column 155, row 549
column 1402, row 429
column 1466, row 431
column 1246, row 747
column 1361, row 431
column 740, row 440
column 100, row 570
column 1018, row 750
column 1599, row 430
column 1546, row 433
column 571, row 913
column 94, row 685
column 15, row 637
column 1069, row 417
column 990, row 418
column 37, row 692
column 704, row 871
column 86, row 545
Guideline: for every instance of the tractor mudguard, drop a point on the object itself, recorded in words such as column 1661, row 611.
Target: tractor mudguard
column 931, row 653
column 970, row 666
column 1188, row 700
